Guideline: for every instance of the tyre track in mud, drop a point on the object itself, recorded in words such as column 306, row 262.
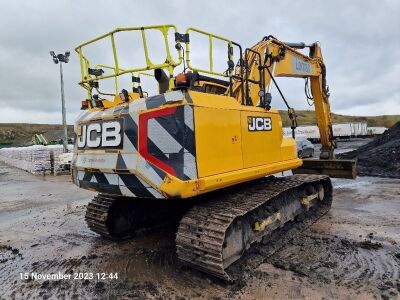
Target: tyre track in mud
column 343, row 262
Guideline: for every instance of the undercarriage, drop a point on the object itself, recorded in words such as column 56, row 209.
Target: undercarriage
column 216, row 231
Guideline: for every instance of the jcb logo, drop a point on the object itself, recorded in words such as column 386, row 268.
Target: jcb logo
column 100, row 135
column 259, row 124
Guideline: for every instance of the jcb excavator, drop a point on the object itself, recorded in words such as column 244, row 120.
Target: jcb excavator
column 208, row 138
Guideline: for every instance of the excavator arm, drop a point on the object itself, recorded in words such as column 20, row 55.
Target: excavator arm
column 272, row 58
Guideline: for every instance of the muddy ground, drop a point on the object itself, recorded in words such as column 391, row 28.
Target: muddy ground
column 353, row 252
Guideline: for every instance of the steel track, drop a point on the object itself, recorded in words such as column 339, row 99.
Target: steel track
column 120, row 218
column 97, row 215
column 201, row 236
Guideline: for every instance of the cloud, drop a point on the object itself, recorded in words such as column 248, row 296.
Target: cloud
column 360, row 41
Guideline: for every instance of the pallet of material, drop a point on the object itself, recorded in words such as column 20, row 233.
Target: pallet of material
column 55, row 152
column 34, row 159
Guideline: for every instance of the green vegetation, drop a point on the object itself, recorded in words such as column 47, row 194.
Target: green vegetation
column 308, row 117
column 5, row 144
column 20, row 134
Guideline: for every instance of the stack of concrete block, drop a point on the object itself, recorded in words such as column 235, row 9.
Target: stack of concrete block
column 34, row 159
column 40, row 160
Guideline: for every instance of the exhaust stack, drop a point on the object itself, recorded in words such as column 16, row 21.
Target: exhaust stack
column 162, row 79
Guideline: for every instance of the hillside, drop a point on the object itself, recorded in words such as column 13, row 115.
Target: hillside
column 308, row 117
column 19, row 134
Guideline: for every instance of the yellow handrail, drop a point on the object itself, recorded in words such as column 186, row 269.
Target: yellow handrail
column 116, row 81
column 169, row 63
column 210, row 36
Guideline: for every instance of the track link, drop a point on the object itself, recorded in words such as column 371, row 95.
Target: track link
column 207, row 231
column 120, row 218
column 97, row 214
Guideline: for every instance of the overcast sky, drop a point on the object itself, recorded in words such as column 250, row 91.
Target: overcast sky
column 360, row 42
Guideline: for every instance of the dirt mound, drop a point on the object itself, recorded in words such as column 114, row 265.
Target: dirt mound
column 381, row 156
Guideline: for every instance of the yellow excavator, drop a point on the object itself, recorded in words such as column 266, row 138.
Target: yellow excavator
column 209, row 138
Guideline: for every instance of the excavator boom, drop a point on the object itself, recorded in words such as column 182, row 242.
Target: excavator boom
column 271, row 58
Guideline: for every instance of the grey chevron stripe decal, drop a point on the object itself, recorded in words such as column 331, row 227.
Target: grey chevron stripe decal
column 170, row 138
column 117, row 184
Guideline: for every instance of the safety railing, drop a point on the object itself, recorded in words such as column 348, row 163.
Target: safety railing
column 90, row 77
column 230, row 72
column 211, row 37
column 89, row 81
column 133, row 74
